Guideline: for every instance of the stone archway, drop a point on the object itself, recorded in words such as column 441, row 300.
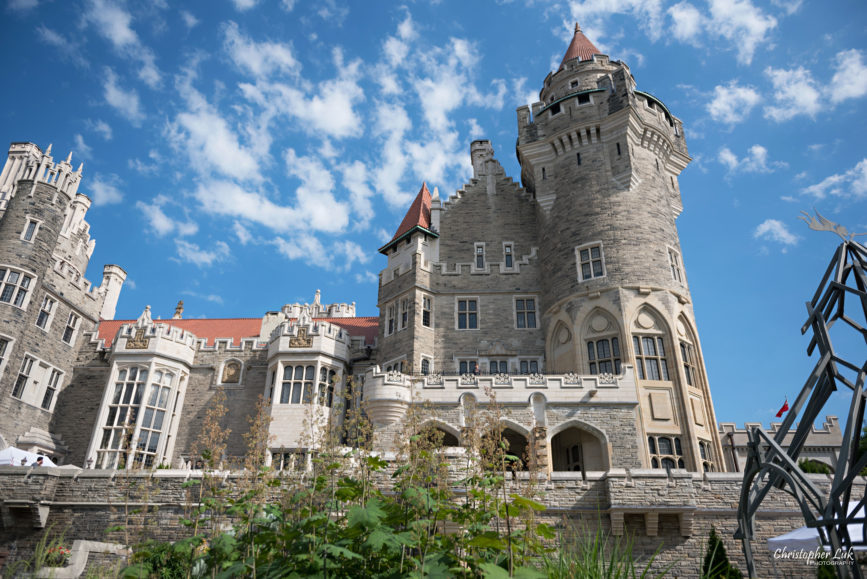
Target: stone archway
column 516, row 444
column 438, row 435
column 577, row 449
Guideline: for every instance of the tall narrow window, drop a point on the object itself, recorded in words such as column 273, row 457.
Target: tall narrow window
column 425, row 366
column 674, row 262
column 30, row 230
column 591, row 262
column 390, row 320
column 578, row 157
column 650, row 357
column 507, row 251
column 468, row 314
column 51, row 389
column 326, row 387
column 15, row 286
column 45, row 311
column 544, row 174
column 426, row 309
column 404, row 313
column 525, row 313
column 4, row 343
column 498, row 367
column 71, row 328
column 604, row 356
column 480, row 256
column 618, row 149
column 690, row 364
column 153, row 419
column 23, row 377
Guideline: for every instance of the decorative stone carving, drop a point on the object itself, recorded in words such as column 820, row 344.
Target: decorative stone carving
column 599, row 324
column 607, row 379
column 468, row 379
column 302, row 340
column 536, row 380
column 502, row 379
column 394, row 376
column 644, row 321
column 145, row 318
column 571, row 378
column 435, row 379
column 231, row 372
column 139, row 342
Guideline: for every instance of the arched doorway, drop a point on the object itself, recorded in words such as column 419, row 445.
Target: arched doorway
column 515, row 444
column 575, row 450
column 437, row 437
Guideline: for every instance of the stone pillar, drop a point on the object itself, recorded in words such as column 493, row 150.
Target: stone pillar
column 539, row 444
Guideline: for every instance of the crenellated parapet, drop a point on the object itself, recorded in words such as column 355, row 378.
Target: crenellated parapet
column 27, row 162
column 148, row 339
column 319, row 310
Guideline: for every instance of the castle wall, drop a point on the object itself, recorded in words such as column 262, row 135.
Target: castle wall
column 666, row 516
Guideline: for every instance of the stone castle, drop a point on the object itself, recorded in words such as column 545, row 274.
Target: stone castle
column 566, row 296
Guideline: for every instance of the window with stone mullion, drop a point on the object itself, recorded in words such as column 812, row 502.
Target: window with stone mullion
column 468, row 315
column 297, row 387
column 604, row 356
column 51, row 389
column 153, row 419
column 121, row 416
column 14, row 286
column 325, row 395
column 650, row 357
column 665, row 452
column 690, row 367
column 23, row 377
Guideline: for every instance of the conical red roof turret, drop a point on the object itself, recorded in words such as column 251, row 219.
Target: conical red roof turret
column 418, row 216
column 580, row 47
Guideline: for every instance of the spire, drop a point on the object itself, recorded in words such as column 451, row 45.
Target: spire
column 418, row 216
column 580, row 48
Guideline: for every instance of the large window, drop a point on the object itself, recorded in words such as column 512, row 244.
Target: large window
column 650, row 357
column 119, row 425
column 46, row 312
column 604, row 356
column 498, row 366
column 71, row 328
column 591, row 261
column 529, row 366
column 297, row 384
column 674, row 262
column 468, row 314
column 153, row 419
column 15, row 286
column 665, row 452
column 404, row 313
column 525, row 312
column 467, row 367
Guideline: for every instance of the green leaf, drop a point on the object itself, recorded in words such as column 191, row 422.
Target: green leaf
column 527, row 503
column 488, row 540
column 545, row 531
column 492, row 571
column 336, row 551
column 367, row 516
column 375, row 463
column 528, row 573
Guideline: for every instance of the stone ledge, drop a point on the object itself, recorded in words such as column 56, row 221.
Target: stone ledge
column 80, row 552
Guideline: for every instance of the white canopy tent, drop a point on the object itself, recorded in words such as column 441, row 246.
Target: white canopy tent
column 807, row 538
column 12, row 456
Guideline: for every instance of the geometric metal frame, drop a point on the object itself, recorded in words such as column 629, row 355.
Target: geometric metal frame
column 770, row 466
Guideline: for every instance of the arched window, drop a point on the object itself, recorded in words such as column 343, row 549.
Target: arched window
column 665, row 451
column 649, row 347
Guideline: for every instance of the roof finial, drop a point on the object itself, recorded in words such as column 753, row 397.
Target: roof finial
column 577, row 27
column 69, row 158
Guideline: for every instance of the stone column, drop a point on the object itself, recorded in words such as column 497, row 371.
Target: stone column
column 539, row 443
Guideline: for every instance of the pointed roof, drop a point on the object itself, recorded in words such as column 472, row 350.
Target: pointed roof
column 580, row 48
column 418, row 217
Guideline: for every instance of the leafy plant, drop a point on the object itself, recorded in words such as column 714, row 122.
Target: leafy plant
column 716, row 563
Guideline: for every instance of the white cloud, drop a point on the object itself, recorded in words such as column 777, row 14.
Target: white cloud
column 242, row 233
column 741, row 23
column 101, row 127
column 103, row 190
column 288, row 5
column 688, row 22
column 243, row 5
column 207, row 297
column 160, row 223
column 67, row 49
column 82, row 149
column 732, row 103
column 314, row 196
column 22, row 5
column 366, row 277
column 354, row 179
column 593, row 15
column 190, row 20
column 339, row 256
column 850, row 184
column 756, row 161
column 210, row 143
column 850, row 77
column 259, row 59
column 795, row 93
column 192, row 253
column 125, row 102
column 115, row 25
column 776, row 231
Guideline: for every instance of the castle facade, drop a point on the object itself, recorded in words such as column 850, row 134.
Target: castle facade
column 564, row 297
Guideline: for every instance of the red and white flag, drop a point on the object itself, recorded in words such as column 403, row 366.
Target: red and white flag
column 783, row 409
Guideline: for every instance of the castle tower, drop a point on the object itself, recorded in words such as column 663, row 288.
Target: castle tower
column 45, row 303
column 602, row 160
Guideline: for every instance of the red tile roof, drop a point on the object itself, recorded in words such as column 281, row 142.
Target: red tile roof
column 239, row 328
column 417, row 216
column 580, row 48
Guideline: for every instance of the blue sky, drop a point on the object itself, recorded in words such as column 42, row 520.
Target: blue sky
column 242, row 153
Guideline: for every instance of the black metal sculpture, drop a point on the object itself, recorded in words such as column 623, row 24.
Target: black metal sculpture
column 769, row 466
